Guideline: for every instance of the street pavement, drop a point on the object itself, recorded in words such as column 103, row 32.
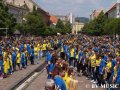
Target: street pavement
column 39, row 83
column 16, row 77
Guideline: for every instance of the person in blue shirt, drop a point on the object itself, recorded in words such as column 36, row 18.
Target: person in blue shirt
column 75, row 61
column 68, row 55
column 48, row 56
column 57, row 75
column 32, row 55
column 14, row 61
column 50, row 68
column 105, row 58
column 1, row 66
column 101, row 71
column 23, row 59
column 118, row 75
column 79, row 63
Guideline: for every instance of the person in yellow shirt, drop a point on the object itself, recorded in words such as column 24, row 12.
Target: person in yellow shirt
column 93, row 66
column 44, row 47
column 38, row 47
column 71, row 56
column 18, row 60
column 68, row 76
column 36, row 54
column 5, row 65
column 10, row 62
column 98, row 60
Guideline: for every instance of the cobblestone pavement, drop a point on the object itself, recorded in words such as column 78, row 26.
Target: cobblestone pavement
column 7, row 83
column 39, row 82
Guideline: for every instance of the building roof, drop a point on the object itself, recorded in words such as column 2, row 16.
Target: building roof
column 53, row 19
column 20, row 7
column 96, row 13
column 113, row 7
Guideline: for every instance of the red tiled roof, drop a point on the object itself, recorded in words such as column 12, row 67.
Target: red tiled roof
column 114, row 6
column 97, row 14
column 53, row 19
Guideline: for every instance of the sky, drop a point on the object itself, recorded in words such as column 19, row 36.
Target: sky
column 81, row 8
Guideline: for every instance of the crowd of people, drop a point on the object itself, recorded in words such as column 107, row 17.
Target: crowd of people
column 96, row 57
column 17, row 53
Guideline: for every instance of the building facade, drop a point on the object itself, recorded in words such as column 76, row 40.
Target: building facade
column 77, row 27
column 30, row 4
column 114, row 11
column 18, row 12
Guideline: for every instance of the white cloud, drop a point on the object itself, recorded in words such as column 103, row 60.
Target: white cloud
column 78, row 7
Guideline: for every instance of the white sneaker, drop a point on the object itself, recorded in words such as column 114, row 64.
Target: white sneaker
column 92, row 80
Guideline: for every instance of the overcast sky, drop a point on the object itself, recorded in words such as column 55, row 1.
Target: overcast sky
column 81, row 8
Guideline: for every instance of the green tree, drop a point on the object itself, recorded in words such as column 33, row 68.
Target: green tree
column 96, row 26
column 6, row 19
column 34, row 24
column 112, row 26
column 67, row 27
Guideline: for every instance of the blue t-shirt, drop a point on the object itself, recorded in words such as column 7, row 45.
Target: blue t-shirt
column 113, row 65
column 80, row 55
column 32, row 52
column 102, row 65
column 59, row 82
column 1, row 62
column 22, row 58
column 48, row 56
column 14, row 57
column 50, row 67
column 28, row 48
column 118, row 75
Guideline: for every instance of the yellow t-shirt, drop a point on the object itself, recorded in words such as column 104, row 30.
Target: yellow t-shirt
column 10, row 57
column 17, row 49
column 72, row 52
column 8, row 63
column 77, row 56
column 38, row 47
column 44, row 46
column 5, row 66
column 98, row 62
column 68, row 79
column 18, row 58
column 65, row 77
column 4, row 54
column 108, row 66
column 25, row 45
column 49, row 45
column 93, row 60
column 36, row 51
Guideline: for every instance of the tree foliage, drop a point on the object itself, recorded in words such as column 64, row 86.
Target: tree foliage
column 63, row 27
column 6, row 19
column 102, row 25
column 34, row 24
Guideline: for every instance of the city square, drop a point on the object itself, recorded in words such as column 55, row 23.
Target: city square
column 59, row 45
